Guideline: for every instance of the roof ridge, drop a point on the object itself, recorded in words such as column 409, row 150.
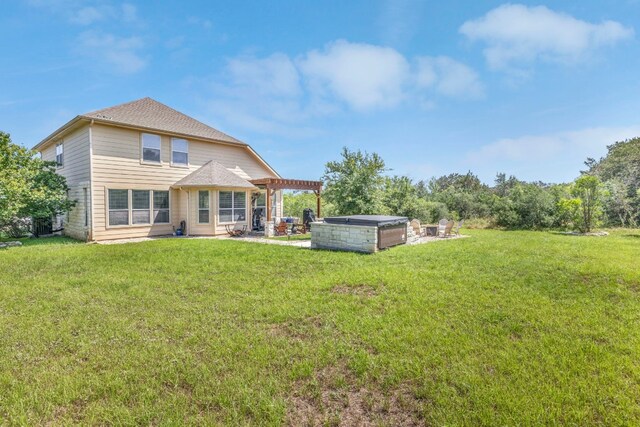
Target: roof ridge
column 119, row 105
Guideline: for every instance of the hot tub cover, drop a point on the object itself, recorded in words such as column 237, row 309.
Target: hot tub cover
column 368, row 220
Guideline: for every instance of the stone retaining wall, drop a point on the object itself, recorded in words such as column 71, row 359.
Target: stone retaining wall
column 355, row 238
column 412, row 237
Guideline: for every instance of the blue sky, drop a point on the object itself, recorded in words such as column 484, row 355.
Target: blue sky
column 526, row 88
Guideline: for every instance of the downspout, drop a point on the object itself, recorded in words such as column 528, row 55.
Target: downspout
column 91, row 194
column 188, row 221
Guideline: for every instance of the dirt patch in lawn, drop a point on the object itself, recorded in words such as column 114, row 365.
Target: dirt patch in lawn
column 362, row 289
column 334, row 397
column 298, row 329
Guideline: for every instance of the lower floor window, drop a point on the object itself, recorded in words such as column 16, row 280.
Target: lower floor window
column 141, row 213
column 203, row 207
column 160, row 207
column 134, row 207
column 118, row 207
column 232, row 206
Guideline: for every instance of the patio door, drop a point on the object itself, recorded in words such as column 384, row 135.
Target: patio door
column 258, row 210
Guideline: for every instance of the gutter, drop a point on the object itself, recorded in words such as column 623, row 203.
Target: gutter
column 188, row 220
column 57, row 132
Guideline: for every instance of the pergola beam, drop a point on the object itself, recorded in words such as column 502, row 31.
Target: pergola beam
column 273, row 184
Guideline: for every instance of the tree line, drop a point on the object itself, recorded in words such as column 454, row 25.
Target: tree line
column 607, row 194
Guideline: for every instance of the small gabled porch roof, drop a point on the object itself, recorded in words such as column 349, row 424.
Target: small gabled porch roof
column 213, row 174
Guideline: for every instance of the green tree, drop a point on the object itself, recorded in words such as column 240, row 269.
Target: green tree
column 295, row 203
column 619, row 170
column 29, row 187
column 355, row 184
column 586, row 206
column 569, row 212
column 619, row 204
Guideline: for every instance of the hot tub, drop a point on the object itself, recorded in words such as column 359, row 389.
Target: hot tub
column 360, row 233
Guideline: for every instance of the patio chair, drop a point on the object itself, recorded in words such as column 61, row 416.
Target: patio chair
column 282, row 229
column 417, row 228
column 442, row 224
column 447, row 229
column 235, row 232
column 457, row 227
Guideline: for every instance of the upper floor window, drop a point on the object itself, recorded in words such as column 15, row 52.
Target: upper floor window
column 60, row 154
column 151, row 147
column 179, row 151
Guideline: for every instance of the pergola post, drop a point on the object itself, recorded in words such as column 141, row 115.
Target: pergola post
column 268, row 205
column 274, row 184
column 318, row 203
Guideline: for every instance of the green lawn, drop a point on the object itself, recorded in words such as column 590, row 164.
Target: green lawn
column 306, row 236
column 503, row 328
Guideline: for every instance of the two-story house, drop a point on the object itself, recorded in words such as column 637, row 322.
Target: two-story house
column 143, row 169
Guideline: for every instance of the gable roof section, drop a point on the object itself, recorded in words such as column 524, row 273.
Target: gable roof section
column 147, row 113
column 213, row 174
column 151, row 114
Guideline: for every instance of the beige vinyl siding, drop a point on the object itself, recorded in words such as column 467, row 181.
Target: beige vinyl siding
column 117, row 164
column 77, row 172
column 215, row 227
column 196, row 228
column 75, row 224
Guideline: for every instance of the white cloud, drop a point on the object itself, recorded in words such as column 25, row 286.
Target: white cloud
column 79, row 13
column 553, row 158
column 516, row 34
column 261, row 94
column 279, row 95
column 448, row 77
column 362, row 75
column 121, row 53
column 273, row 75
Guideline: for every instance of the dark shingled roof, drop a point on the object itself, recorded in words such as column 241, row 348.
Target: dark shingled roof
column 151, row 114
column 213, row 174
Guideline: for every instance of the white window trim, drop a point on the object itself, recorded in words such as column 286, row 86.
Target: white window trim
column 130, row 198
column 204, row 209
column 149, row 162
column 233, row 208
column 61, row 165
column 180, row 165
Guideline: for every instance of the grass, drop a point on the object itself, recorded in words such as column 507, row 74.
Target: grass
column 32, row 241
column 501, row 328
column 306, row 236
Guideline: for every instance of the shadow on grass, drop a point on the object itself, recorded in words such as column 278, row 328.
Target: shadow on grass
column 293, row 237
column 43, row 241
column 568, row 234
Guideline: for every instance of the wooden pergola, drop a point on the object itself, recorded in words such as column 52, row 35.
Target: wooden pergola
column 273, row 184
